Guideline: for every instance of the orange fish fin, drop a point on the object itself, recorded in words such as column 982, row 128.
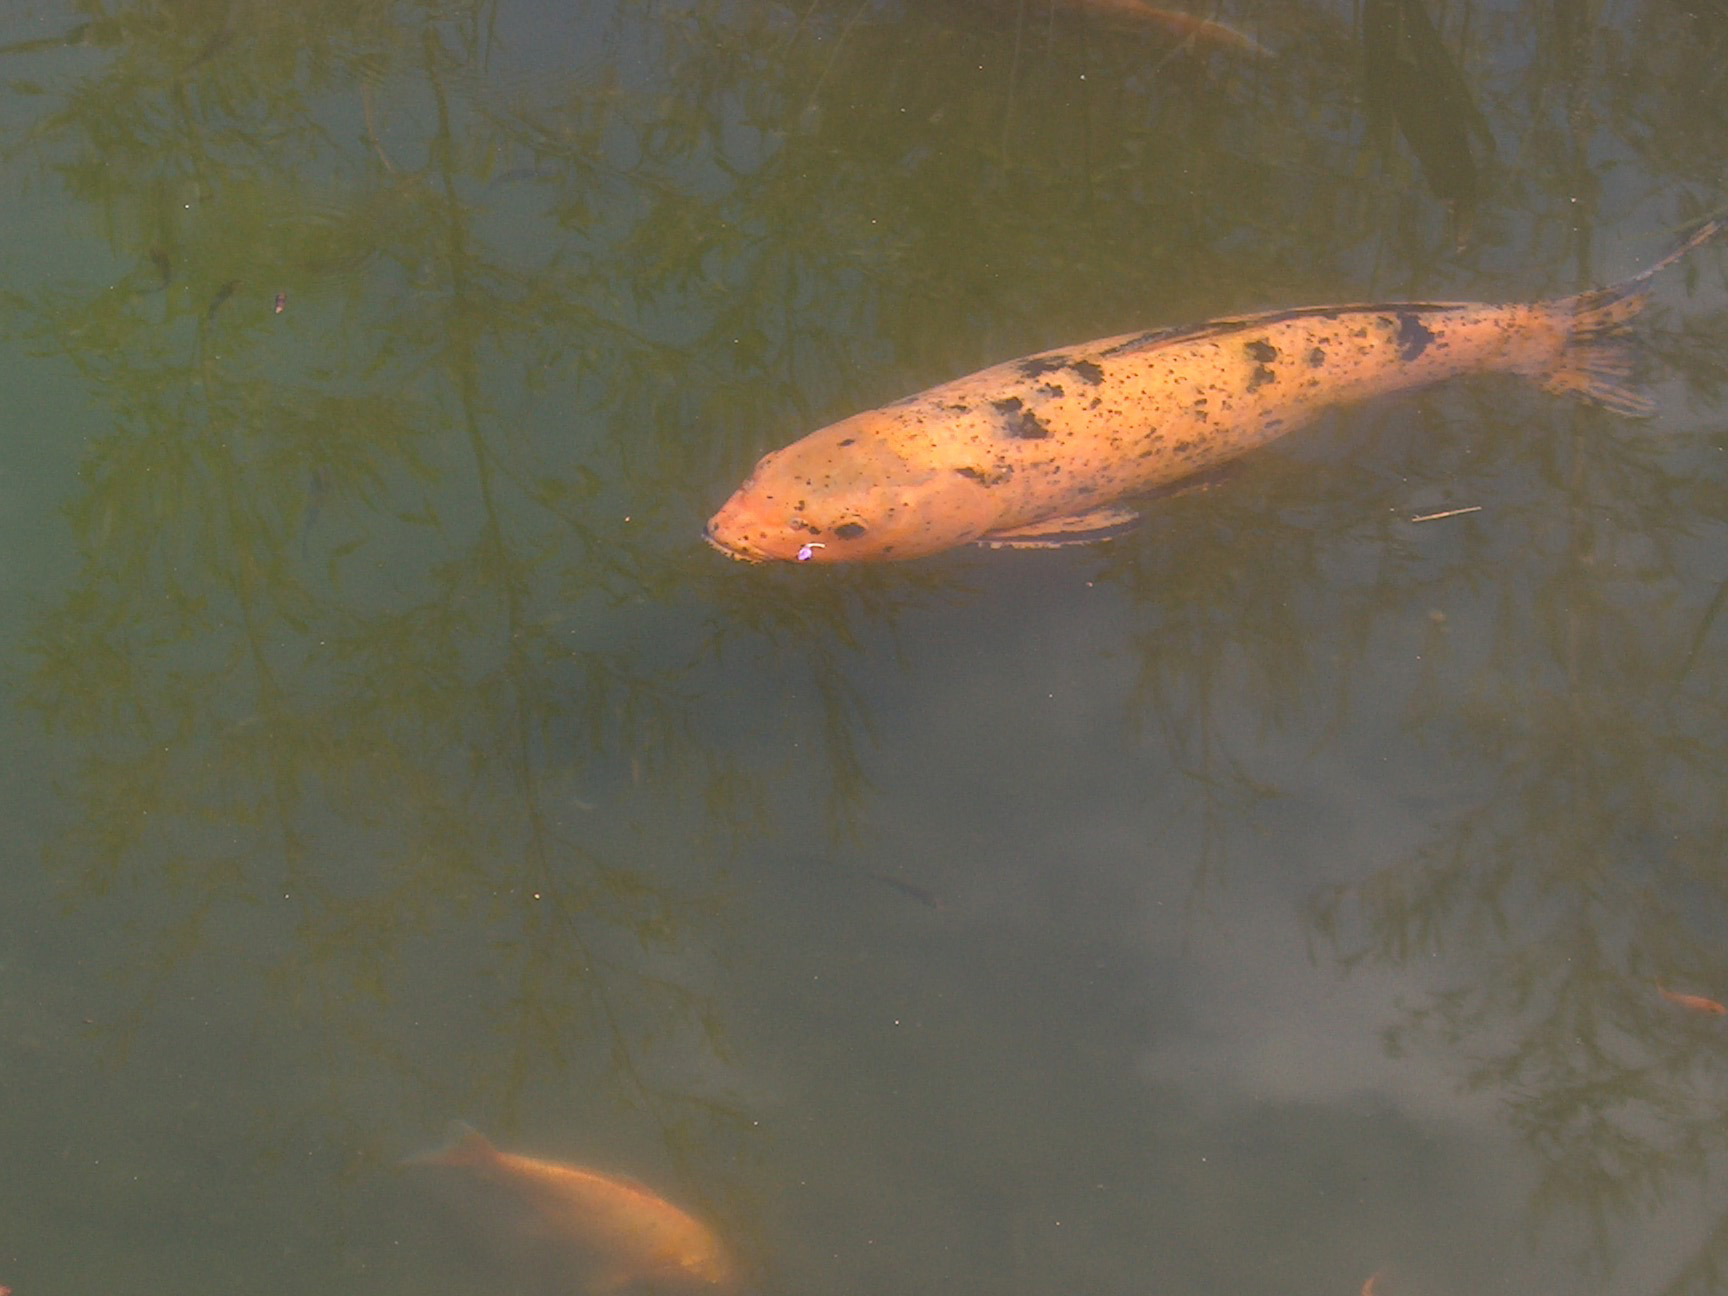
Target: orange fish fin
column 1596, row 363
column 466, row 1146
column 1204, row 480
column 1602, row 374
column 1072, row 529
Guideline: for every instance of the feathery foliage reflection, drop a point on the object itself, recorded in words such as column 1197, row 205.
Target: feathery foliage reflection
column 363, row 641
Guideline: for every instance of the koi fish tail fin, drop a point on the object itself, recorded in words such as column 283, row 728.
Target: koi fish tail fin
column 1597, row 361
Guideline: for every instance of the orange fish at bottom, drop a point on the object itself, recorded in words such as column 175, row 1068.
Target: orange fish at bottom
column 628, row 1234
column 1696, row 1003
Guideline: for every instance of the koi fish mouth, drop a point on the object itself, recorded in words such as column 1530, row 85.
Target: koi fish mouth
column 736, row 553
column 744, row 551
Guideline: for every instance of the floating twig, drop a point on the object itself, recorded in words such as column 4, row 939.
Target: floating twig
column 1457, row 512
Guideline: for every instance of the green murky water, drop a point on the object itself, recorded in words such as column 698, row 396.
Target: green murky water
column 1269, row 898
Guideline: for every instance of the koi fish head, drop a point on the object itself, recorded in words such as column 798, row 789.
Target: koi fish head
column 855, row 491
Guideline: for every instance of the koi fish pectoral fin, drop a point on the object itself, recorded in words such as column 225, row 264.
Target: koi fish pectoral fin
column 1071, row 529
column 612, row 1282
column 1193, row 483
column 1101, row 524
column 648, row 1280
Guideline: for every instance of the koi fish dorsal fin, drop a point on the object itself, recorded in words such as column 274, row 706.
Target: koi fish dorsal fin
column 466, row 1146
column 1703, row 234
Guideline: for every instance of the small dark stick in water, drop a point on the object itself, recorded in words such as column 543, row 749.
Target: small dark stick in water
column 1447, row 513
column 923, row 895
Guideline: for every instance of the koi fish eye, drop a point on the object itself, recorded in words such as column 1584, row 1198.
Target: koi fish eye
column 850, row 530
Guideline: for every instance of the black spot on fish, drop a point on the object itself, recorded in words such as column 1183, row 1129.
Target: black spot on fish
column 1053, row 390
column 849, row 530
column 1088, row 371
column 1260, row 377
column 849, row 441
column 1018, row 421
column 1316, row 358
column 1261, row 350
column 958, row 407
column 1413, row 335
column 1026, row 427
column 1038, row 366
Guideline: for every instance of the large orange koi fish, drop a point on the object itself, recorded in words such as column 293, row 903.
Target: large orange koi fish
column 1041, row 451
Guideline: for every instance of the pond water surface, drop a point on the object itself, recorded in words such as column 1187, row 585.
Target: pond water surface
column 1270, row 898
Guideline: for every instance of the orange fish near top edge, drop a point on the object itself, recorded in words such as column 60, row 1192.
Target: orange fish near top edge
column 632, row 1235
column 1040, row 451
column 1174, row 22
column 1696, row 1003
